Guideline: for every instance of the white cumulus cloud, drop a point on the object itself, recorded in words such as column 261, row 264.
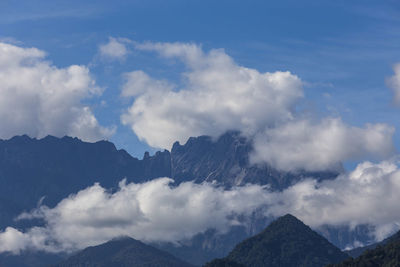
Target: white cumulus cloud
column 37, row 98
column 114, row 49
column 152, row 211
column 216, row 95
column 301, row 144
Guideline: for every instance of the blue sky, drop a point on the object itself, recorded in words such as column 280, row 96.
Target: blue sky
column 343, row 51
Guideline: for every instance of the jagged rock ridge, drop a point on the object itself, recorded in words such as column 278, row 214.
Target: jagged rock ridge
column 227, row 162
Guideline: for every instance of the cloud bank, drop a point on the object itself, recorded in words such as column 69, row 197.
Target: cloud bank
column 38, row 99
column 217, row 95
column 367, row 195
column 303, row 144
column 155, row 211
column 152, row 211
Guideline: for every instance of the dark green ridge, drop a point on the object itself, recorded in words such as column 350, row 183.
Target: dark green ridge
column 386, row 254
column 285, row 242
column 122, row 252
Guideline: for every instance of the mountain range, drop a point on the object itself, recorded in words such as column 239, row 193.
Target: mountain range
column 285, row 242
column 51, row 168
column 45, row 171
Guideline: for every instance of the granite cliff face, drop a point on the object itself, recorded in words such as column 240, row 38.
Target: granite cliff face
column 226, row 161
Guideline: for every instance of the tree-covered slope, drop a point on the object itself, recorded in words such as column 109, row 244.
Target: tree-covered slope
column 286, row 242
column 224, row 263
column 385, row 255
column 30, row 259
column 122, row 252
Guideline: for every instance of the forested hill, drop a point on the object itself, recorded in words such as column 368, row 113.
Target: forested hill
column 122, row 252
column 385, row 255
column 285, row 242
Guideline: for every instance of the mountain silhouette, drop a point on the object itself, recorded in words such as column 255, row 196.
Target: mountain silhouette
column 121, row 252
column 45, row 171
column 285, row 242
column 383, row 254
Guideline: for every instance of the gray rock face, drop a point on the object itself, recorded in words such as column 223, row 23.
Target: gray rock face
column 226, row 161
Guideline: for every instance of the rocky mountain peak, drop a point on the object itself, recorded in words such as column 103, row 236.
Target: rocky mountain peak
column 225, row 160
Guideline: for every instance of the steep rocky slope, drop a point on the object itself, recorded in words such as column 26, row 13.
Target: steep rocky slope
column 226, row 161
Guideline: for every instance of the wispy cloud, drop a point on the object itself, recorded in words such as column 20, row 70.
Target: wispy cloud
column 37, row 10
column 394, row 83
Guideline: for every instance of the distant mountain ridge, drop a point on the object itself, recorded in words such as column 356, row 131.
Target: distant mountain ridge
column 54, row 167
column 121, row 252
